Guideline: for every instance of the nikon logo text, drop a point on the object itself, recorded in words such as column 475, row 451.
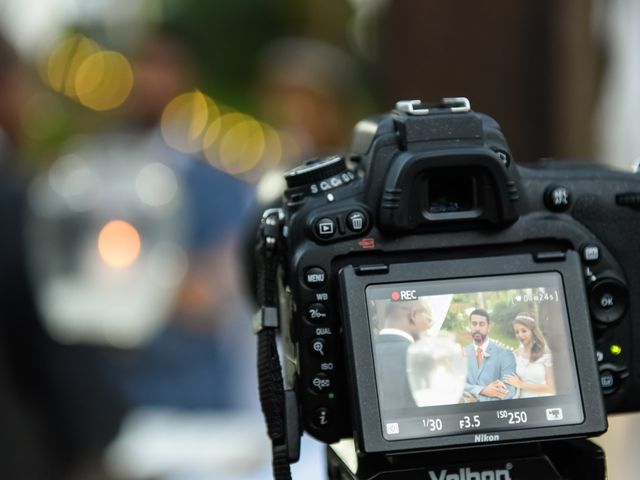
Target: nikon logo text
column 483, row 437
column 468, row 474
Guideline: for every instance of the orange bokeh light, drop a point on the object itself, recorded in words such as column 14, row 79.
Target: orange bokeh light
column 119, row 244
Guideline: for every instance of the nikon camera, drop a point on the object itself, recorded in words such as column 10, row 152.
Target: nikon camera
column 391, row 268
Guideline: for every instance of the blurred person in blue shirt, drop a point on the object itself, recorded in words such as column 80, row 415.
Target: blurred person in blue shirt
column 194, row 362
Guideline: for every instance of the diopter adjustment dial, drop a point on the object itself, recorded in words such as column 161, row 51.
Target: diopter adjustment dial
column 319, row 175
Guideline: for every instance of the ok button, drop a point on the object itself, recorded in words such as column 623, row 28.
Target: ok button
column 608, row 299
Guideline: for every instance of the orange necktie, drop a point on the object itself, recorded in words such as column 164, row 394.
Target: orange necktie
column 479, row 356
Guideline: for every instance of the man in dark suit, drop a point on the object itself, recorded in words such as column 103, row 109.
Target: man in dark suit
column 487, row 363
column 404, row 322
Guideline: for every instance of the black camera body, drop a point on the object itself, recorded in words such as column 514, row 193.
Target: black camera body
column 430, row 205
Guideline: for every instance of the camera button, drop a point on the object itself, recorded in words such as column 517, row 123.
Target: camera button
column 317, row 313
column 357, row 221
column 325, row 228
column 608, row 299
column 321, row 417
column 591, row 253
column 607, row 381
column 318, row 347
column 315, row 277
column 320, row 382
column 557, row 198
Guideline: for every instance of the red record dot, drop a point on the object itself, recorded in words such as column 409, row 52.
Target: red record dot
column 395, row 296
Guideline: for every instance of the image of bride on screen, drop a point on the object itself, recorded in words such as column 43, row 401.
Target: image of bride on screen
column 534, row 363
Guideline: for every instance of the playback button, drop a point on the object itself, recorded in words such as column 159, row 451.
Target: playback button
column 325, row 228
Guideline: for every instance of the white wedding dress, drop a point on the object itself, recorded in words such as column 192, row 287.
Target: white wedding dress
column 532, row 372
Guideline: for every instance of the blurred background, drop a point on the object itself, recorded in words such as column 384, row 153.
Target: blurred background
column 138, row 141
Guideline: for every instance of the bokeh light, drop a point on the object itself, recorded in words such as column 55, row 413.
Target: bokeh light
column 156, row 185
column 104, row 80
column 242, row 147
column 185, row 120
column 216, row 130
column 61, row 66
column 119, row 244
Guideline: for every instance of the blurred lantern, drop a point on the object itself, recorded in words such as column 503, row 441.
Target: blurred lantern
column 105, row 241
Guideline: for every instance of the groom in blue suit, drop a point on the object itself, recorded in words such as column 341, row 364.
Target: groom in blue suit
column 487, row 363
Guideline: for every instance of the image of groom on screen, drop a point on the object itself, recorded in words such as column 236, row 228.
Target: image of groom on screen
column 403, row 324
column 488, row 364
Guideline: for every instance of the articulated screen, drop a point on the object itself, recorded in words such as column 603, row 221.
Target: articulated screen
column 475, row 355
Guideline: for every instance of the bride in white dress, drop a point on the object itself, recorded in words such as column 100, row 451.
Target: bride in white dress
column 534, row 370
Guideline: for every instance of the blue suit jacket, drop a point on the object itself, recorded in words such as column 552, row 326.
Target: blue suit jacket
column 499, row 363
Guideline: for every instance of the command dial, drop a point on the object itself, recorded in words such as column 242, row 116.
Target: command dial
column 319, row 175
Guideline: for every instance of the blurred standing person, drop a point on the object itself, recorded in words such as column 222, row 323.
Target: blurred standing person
column 404, row 323
column 26, row 446
column 198, row 348
column 311, row 91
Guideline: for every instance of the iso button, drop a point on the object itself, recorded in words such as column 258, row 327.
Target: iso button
column 608, row 299
column 357, row 221
column 315, row 277
column 320, row 382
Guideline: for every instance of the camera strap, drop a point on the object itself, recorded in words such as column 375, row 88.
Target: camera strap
column 270, row 381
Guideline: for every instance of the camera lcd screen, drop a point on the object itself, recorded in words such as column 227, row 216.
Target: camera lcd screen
column 474, row 355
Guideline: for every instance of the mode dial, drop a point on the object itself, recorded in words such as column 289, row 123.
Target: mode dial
column 319, row 175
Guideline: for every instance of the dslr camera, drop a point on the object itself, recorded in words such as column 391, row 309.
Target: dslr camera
column 444, row 312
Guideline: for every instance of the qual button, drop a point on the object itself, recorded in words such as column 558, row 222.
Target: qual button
column 318, row 347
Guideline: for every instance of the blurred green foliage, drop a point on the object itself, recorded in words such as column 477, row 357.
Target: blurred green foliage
column 502, row 311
